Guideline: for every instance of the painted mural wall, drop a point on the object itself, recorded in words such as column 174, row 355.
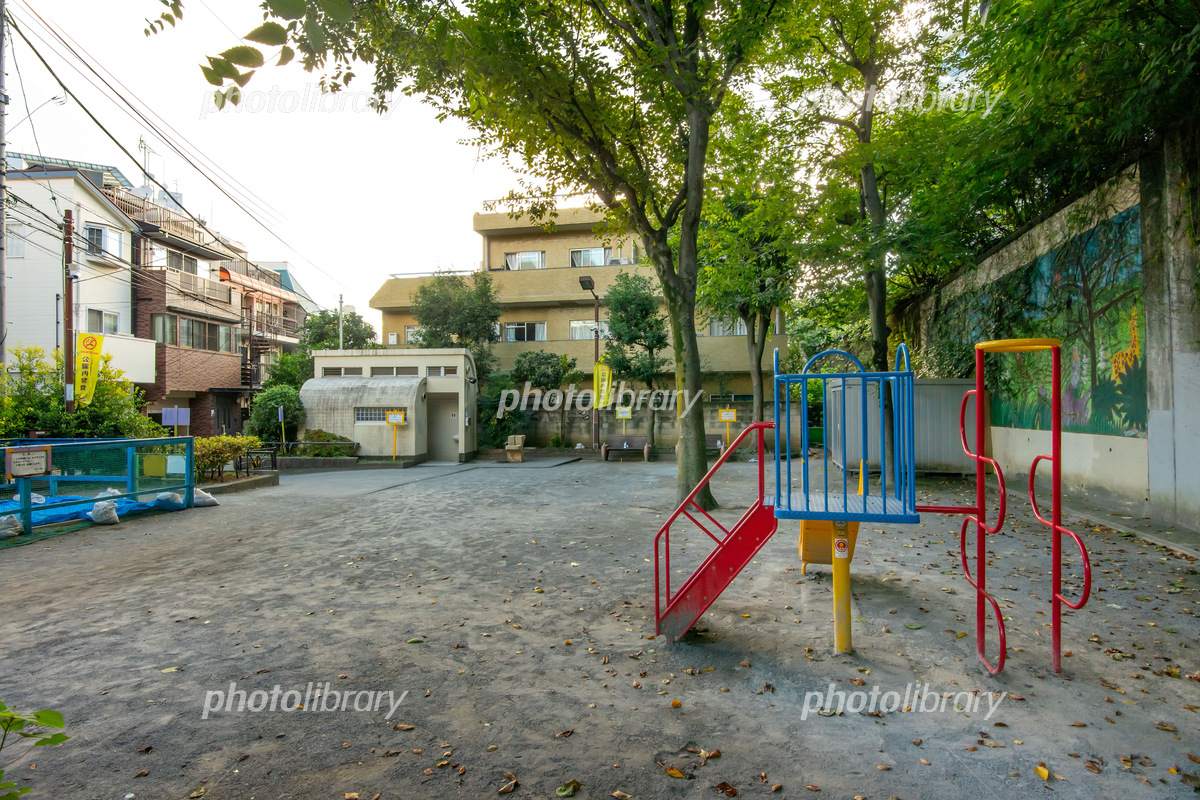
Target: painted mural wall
column 1089, row 292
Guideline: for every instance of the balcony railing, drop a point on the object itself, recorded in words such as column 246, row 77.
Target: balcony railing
column 167, row 219
column 242, row 267
column 271, row 326
column 197, row 286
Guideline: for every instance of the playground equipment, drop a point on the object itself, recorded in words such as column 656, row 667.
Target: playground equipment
column 830, row 513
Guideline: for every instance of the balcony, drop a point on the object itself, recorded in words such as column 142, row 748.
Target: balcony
column 272, row 327
column 170, row 222
column 248, row 270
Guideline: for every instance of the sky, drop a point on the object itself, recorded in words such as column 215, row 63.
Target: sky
column 346, row 195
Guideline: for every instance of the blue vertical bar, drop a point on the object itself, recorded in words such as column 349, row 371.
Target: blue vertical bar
column 884, row 386
column 912, row 451
column 866, row 441
column 25, row 490
column 189, row 495
column 131, row 470
column 804, row 401
column 777, row 427
column 788, row 429
column 828, row 439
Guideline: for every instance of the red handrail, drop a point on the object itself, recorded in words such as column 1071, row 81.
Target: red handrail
column 760, row 428
column 1059, row 529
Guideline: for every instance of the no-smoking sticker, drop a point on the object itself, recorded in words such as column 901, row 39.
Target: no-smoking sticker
column 89, row 343
column 841, row 548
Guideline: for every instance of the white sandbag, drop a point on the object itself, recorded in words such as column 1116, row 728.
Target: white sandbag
column 10, row 526
column 110, row 492
column 202, row 499
column 169, row 501
column 104, row 513
column 35, row 498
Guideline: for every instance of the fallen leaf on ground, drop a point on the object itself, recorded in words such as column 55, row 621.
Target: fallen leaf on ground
column 512, row 783
column 1042, row 771
column 621, row 795
column 569, row 788
column 400, row 726
column 729, row 790
column 564, row 734
column 674, row 773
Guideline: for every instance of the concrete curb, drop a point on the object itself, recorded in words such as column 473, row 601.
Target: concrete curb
column 259, row 481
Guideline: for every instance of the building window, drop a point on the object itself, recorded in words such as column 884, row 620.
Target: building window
column 101, row 321
column 723, row 327
column 392, row 338
column 524, row 331
column 527, row 259
column 331, row 372
column 190, row 265
column 412, row 334
column 582, row 328
column 164, row 327
column 101, row 241
column 372, row 414
column 440, row 372
column 213, row 336
column 14, row 245
column 378, row 372
column 406, row 371
column 352, row 372
column 591, row 257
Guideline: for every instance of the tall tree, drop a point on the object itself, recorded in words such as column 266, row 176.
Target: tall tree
column 637, row 334
column 547, row 371
column 320, row 332
column 455, row 312
column 615, row 98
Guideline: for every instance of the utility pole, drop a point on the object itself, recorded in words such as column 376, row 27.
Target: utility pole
column 3, row 188
column 68, row 311
column 340, row 345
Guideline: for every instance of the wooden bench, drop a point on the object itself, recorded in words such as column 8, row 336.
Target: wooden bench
column 712, row 442
column 625, row 444
column 515, row 449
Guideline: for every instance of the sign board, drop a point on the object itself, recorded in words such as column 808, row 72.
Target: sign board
column 625, row 412
column 177, row 416
column 728, row 414
column 841, row 548
column 26, row 462
column 395, row 418
column 602, row 381
column 88, row 349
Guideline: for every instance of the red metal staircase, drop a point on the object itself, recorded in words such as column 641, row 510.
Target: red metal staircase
column 676, row 611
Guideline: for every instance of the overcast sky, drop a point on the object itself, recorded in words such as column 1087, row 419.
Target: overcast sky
column 361, row 196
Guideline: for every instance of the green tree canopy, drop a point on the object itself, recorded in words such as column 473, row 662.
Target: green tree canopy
column 456, row 312
column 320, row 332
column 637, row 333
column 545, row 371
column 264, row 413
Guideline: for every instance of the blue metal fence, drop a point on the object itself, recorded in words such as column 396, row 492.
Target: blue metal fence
column 819, row 498
column 137, row 469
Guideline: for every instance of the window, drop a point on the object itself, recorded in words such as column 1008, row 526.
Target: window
column 412, row 334
column 331, row 372
column 406, row 371
column 527, row 259
column 352, row 371
column 14, row 245
column 719, row 398
column 377, row 372
column 591, row 257
column 190, row 265
column 524, row 331
column 102, row 241
column 101, row 321
column 392, row 338
column 208, row 335
column 164, row 327
column 372, row 414
column 439, row 372
column 582, row 328
column 175, row 260
column 722, row 327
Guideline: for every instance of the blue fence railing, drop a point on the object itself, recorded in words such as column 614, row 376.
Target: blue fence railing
column 799, row 493
column 131, row 472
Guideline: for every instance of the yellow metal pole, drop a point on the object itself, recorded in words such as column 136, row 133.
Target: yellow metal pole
column 727, row 433
column 841, row 589
column 394, row 443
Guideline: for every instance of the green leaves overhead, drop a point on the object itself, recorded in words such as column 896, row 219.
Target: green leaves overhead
column 269, row 33
column 341, row 11
column 244, row 55
column 288, row 9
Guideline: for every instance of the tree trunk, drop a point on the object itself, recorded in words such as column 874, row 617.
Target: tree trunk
column 757, row 325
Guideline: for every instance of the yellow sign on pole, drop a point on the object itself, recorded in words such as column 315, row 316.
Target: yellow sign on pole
column 88, row 347
column 727, row 415
column 624, row 413
column 602, row 383
column 395, row 419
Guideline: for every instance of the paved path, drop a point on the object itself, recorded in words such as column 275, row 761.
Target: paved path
column 130, row 629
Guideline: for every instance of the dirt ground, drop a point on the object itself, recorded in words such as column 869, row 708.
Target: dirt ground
column 515, row 606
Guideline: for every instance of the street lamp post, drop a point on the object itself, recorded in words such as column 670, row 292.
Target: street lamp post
column 586, row 282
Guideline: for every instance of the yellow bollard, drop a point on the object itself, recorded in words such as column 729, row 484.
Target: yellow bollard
column 841, row 589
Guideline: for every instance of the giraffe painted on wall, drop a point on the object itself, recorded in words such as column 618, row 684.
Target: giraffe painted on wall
column 1125, row 360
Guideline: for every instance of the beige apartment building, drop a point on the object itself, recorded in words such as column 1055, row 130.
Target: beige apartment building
column 536, row 277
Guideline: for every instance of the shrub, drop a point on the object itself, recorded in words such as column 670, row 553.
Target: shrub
column 212, row 453
column 327, row 450
column 556, row 440
column 264, row 414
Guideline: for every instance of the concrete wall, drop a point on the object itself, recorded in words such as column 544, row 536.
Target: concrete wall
column 333, row 411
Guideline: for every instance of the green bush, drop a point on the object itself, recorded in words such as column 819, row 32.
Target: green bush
column 264, row 413
column 328, row 450
column 556, row 440
column 212, row 453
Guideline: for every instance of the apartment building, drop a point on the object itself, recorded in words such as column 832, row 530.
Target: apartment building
column 40, row 191
column 536, row 277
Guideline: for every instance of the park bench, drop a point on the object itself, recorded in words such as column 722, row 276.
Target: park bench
column 713, row 442
column 625, row 444
column 515, row 449
column 257, row 458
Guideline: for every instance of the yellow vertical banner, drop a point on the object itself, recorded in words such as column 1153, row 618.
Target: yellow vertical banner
column 88, row 347
column 602, row 383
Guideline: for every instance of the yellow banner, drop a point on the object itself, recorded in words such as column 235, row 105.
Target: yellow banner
column 88, row 347
column 602, row 382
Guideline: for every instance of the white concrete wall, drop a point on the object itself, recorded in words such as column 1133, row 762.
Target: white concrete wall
column 1118, row 465
column 133, row 356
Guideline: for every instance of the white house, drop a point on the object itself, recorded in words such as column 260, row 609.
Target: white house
column 38, row 195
